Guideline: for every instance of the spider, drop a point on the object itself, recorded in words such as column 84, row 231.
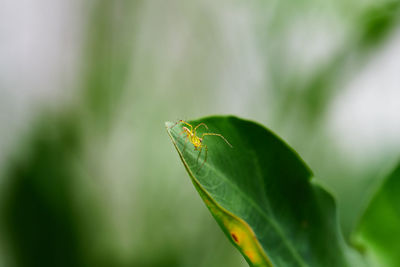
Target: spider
column 197, row 141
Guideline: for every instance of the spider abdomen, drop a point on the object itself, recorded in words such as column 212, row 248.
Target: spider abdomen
column 196, row 141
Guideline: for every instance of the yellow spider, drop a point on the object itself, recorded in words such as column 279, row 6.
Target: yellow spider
column 196, row 140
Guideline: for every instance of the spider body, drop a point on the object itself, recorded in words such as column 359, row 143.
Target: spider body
column 197, row 141
column 193, row 138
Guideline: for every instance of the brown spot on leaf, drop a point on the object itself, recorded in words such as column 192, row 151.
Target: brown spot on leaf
column 235, row 238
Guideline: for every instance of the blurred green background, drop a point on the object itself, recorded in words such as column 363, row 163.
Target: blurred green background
column 88, row 176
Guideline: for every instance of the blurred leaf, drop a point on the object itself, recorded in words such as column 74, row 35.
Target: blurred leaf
column 379, row 228
column 260, row 193
column 372, row 27
column 43, row 221
column 107, row 55
column 38, row 212
column 49, row 217
column 377, row 22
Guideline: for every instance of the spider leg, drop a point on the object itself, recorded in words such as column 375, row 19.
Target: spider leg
column 201, row 124
column 205, row 157
column 184, row 147
column 182, row 121
column 198, row 156
column 215, row 134
column 174, row 124
column 188, row 124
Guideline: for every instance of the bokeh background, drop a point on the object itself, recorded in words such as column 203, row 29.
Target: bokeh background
column 88, row 176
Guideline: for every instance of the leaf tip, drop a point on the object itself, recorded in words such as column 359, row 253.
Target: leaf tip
column 168, row 124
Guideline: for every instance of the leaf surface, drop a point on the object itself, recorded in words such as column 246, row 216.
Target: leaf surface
column 379, row 228
column 261, row 195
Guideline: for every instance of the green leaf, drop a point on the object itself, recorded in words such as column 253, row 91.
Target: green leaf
column 260, row 193
column 378, row 231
